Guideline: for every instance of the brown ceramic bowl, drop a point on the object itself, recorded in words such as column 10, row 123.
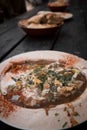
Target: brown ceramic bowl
column 39, row 29
column 57, row 7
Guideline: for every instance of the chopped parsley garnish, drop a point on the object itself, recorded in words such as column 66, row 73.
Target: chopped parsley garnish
column 53, row 88
column 64, row 125
column 76, row 114
column 40, row 85
column 42, row 77
column 14, row 79
column 56, row 114
column 30, row 82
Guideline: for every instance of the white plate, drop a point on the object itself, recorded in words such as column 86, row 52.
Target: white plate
column 60, row 117
column 63, row 15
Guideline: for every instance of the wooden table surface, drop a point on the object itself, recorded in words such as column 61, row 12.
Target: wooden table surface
column 72, row 38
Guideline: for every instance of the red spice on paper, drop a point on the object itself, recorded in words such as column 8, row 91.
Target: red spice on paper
column 6, row 107
column 69, row 60
column 71, row 113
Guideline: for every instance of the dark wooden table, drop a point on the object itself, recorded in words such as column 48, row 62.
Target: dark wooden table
column 72, row 38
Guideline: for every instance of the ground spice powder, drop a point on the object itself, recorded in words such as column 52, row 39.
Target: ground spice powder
column 6, row 107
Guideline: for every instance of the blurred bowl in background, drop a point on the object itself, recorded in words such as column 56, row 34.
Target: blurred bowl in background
column 57, row 6
column 36, row 26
